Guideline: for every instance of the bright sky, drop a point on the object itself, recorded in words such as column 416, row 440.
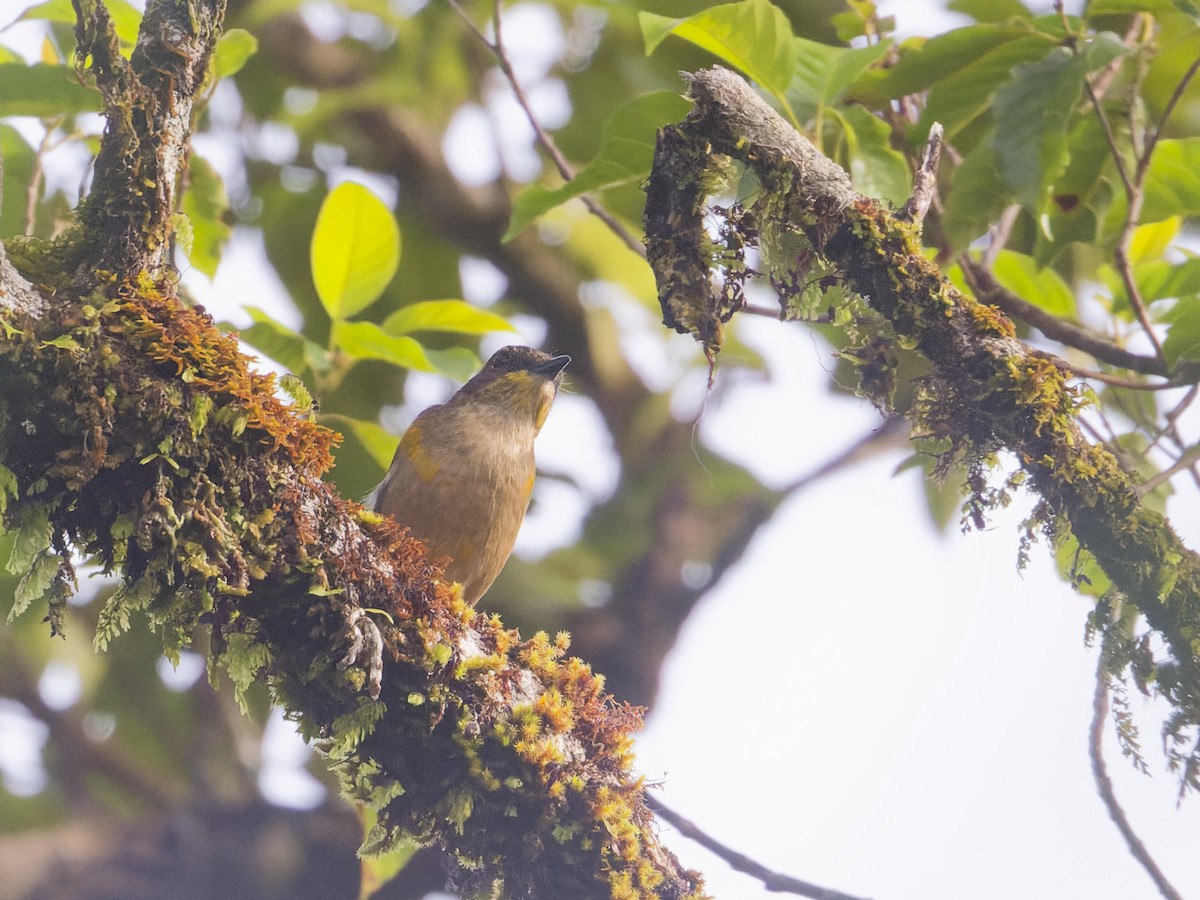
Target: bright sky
column 863, row 703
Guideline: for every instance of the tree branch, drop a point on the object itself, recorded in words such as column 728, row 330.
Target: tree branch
column 148, row 102
column 132, row 431
column 776, row 882
column 986, row 392
column 543, row 138
column 1108, row 796
column 988, row 290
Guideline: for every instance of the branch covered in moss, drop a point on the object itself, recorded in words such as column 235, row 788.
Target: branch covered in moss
column 986, row 391
column 125, row 222
column 132, row 432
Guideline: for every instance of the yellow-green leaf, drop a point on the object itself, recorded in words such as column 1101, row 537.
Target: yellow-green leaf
column 355, row 250
column 366, row 340
column 455, row 316
column 753, row 36
column 233, row 49
column 1041, row 286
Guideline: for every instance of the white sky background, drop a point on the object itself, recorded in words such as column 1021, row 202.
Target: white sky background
column 863, row 703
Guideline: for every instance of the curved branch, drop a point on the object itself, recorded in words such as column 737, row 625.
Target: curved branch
column 776, row 882
column 1108, row 796
column 987, row 391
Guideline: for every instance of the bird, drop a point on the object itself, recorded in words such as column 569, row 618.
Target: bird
column 462, row 476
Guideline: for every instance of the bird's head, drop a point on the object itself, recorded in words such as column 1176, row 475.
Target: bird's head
column 517, row 379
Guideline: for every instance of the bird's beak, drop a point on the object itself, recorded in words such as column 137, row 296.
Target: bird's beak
column 551, row 368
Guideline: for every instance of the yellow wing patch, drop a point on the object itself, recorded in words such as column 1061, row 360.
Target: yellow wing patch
column 413, row 449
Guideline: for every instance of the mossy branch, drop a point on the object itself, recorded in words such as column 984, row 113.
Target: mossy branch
column 124, row 224
column 986, row 392
column 132, row 432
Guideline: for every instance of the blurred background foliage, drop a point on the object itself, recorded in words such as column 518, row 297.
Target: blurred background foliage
column 144, row 779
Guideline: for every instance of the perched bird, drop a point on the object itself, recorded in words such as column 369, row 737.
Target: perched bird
column 463, row 473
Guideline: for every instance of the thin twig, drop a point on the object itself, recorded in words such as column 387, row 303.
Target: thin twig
column 925, row 178
column 893, row 432
column 1135, row 196
column 999, row 234
column 1171, row 419
column 772, row 881
column 750, row 309
column 1103, row 79
column 35, row 177
column 1111, row 138
column 1189, row 459
column 1105, row 377
column 543, row 138
column 1132, row 291
column 989, row 290
column 1105, row 787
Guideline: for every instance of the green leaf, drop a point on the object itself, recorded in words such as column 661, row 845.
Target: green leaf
column 1080, row 195
column 31, row 538
column 1173, row 180
column 355, row 250
column 990, row 10
column 377, row 441
column 1183, row 337
column 455, row 316
column 1041, row 286
column 235, row 47
column 876, row 168
column 290, row 349
column 823, row 73
column 1150, row 242
column 244, row 657
column 1079, row 567
column 35, row 583
column 126, row 17
column 966, row 98
column 9, row 490
column 977, row 197
column 113, row 619
column 205, row 204
column 18, row 167
column 942, row 59
column 42, row 90
column 1031, row 113
column 366, row 340
column 1161, row 280
column 380, row 865
column 458, row 363
column 753, row 36
column 626, row 152
column 1097, row 8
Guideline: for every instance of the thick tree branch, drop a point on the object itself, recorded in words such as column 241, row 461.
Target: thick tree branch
column 132, row 431
column 148, row 102
column 986, row 392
